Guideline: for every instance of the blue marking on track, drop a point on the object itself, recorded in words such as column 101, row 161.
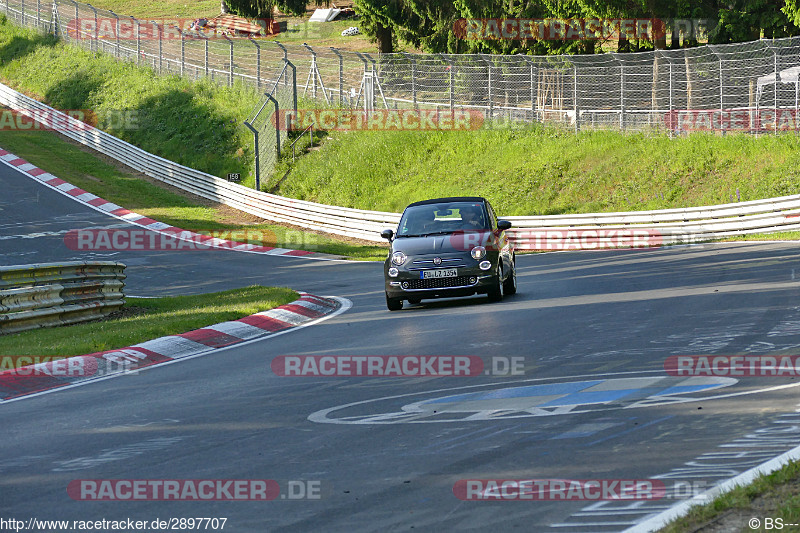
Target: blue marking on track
column 682, row 389
column 522, row 392
column 582, row 398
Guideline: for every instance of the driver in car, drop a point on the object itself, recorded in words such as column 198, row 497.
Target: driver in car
column 471, row 218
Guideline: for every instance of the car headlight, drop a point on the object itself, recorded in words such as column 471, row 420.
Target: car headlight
column 398, row 258
column 478, row 253
column 393, row 272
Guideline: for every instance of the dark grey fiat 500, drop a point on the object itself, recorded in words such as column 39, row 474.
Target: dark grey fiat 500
column 448, row 247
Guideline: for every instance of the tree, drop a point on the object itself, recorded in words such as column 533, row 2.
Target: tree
column 263, row 8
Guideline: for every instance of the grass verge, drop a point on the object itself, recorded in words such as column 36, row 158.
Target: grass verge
column 153, row 318
column 543, row 170
column 775, row 496
column 197, row 124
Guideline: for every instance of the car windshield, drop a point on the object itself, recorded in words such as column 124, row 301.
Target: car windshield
column 442, row 218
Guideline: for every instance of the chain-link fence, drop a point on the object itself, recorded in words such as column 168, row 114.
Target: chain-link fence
column 750, row 87
column 270, row 121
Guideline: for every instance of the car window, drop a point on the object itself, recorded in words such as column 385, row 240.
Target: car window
column 442, row 218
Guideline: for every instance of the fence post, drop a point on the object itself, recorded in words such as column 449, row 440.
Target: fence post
column 230, row 74
column 277, row 126
column 363, row 79
column 183, row 48
column 38, row 13
column 116, row 52
column 285, row 59
column 575, row 107
column 205, row 50
column 138, row 40
column 312, row 75
column 489, row 92
column 777, row 79
column 258, row 62
column 451, row 68
column 258, row 160
column 413, row 78
column 22, row 10
column 76, row 24
column 675, row 116
column 96, row 34
column 341, row 74
column 621, row 93
column 533, row 84
column 160, row 54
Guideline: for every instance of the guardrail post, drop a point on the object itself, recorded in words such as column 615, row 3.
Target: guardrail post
column 258, row 62
column 22, row 11
column 96, row 37
column 116, row 52
column 341, row 74
column 230, row 74
column 38, row 13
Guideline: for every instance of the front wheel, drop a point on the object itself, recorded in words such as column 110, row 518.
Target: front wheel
column 393, row 304
column 495, row 292
column 510, row 284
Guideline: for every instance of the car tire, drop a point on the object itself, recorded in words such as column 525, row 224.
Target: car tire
column 414, row 301
column 495, row 293
column 394, row 304
column 510, row 284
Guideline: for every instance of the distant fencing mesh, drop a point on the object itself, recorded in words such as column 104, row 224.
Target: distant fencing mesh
column 750, row 87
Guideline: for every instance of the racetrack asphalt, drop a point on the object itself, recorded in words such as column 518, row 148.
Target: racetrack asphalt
column 386, row 452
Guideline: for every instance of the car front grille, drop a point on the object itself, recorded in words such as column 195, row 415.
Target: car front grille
column 440, row 283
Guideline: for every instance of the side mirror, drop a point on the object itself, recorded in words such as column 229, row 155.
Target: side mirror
column 387, row 234
column 503, row 225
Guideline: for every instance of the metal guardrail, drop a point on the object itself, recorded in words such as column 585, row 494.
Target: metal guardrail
column 674, row 225
column 54, row 294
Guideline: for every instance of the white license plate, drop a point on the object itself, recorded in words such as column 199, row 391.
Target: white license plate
column 442, row 273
